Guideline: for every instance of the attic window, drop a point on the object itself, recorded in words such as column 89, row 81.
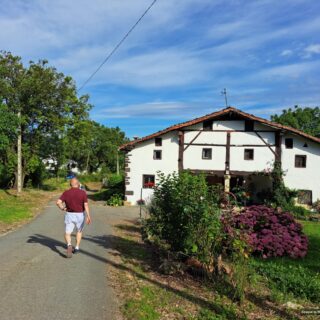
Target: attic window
column 206, row 153
column 207, row 125
column 248, row 125
column 300, row 161
column 248, row 154
column 158, row 142
column 157, row 154
column 289, row 143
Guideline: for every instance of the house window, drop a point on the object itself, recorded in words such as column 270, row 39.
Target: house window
column 248, row 125
column 300, row 161
column 207, row 125
column 148, row 181
column 158, row 142
column 248, row 154
column 289, row 143
column 157, row 154
column 206, row 153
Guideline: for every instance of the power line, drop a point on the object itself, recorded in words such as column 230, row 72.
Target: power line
column 118, row 45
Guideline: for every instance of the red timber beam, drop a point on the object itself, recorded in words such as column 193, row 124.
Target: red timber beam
column 181, row 147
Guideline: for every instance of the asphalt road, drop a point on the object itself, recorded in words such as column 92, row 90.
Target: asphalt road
column 37, row 281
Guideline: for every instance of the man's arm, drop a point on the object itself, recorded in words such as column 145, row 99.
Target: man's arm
column 61, row 205
column 87, row 210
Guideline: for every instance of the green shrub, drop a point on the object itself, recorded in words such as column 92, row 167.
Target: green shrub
column 298, row 212
column 113, row 185
column 115, row 181
column 5, row 176
column 243, row 196
column 316, row 206
column 92, row 177
column 115, row 200
column 184, row 214
column 290, row 279
column 206, row 314
column 281, row 196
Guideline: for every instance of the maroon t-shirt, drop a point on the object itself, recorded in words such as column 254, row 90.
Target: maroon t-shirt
column 74, row 199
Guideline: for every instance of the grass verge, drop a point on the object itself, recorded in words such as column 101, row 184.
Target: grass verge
column 16, row 210
column 147, row 294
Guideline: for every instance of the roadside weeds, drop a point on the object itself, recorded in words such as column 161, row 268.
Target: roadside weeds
column 146, row 294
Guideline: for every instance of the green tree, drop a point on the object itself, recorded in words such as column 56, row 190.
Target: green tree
column 46, row 102
column 304, row 119
column 8, row 135
column 94, row 146
column 8, row 128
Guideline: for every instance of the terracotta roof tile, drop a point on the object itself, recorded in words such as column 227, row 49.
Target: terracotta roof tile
column 216, row 115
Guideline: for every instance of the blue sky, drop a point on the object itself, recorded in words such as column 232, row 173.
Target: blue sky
column 177, row 61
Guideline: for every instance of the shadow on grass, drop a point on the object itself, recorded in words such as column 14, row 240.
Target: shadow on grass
column 142, row 254
column 101, row 195
column 88, row 188
column 129, row 228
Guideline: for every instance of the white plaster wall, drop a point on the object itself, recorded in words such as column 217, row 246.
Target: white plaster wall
column 263, row 156
column 193, row 158
column 228, row 125
column 263, row 159
column 241, row 138
column 205, row 137
column 142, row 162
column 259, row 126
column 302, row 178
column 221, row 125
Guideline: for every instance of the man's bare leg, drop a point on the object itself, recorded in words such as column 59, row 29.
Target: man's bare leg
column 78, row 237
column 67, row 237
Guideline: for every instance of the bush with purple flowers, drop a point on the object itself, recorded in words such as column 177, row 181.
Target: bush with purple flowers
column 271, row 233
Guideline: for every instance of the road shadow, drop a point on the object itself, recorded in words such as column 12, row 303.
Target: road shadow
column 109, row 242
column 52, row 244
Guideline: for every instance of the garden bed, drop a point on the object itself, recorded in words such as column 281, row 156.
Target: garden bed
column 147, row 294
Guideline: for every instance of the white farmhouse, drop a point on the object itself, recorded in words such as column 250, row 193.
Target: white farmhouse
column 230, row 147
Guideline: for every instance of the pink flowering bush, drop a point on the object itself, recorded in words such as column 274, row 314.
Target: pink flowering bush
column 270, row 233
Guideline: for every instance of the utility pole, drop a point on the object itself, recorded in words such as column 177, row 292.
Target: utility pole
column 224, row 92
column 19, row 157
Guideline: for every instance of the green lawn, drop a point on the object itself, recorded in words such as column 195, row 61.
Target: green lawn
column 295, row 278
column 55, row 184
column 14, row 209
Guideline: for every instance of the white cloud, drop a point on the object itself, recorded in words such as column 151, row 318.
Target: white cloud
column 286, row 53
column 159, row 110
column 311, row 50
column 191, row 49
column 294, row 70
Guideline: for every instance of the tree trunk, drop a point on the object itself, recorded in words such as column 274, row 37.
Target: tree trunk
column 19, row 159
column 118, row 169
column 87, row 165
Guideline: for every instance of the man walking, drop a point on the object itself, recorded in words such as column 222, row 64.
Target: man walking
column 74, row 202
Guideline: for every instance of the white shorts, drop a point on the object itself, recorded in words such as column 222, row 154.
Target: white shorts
column 74, row 219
